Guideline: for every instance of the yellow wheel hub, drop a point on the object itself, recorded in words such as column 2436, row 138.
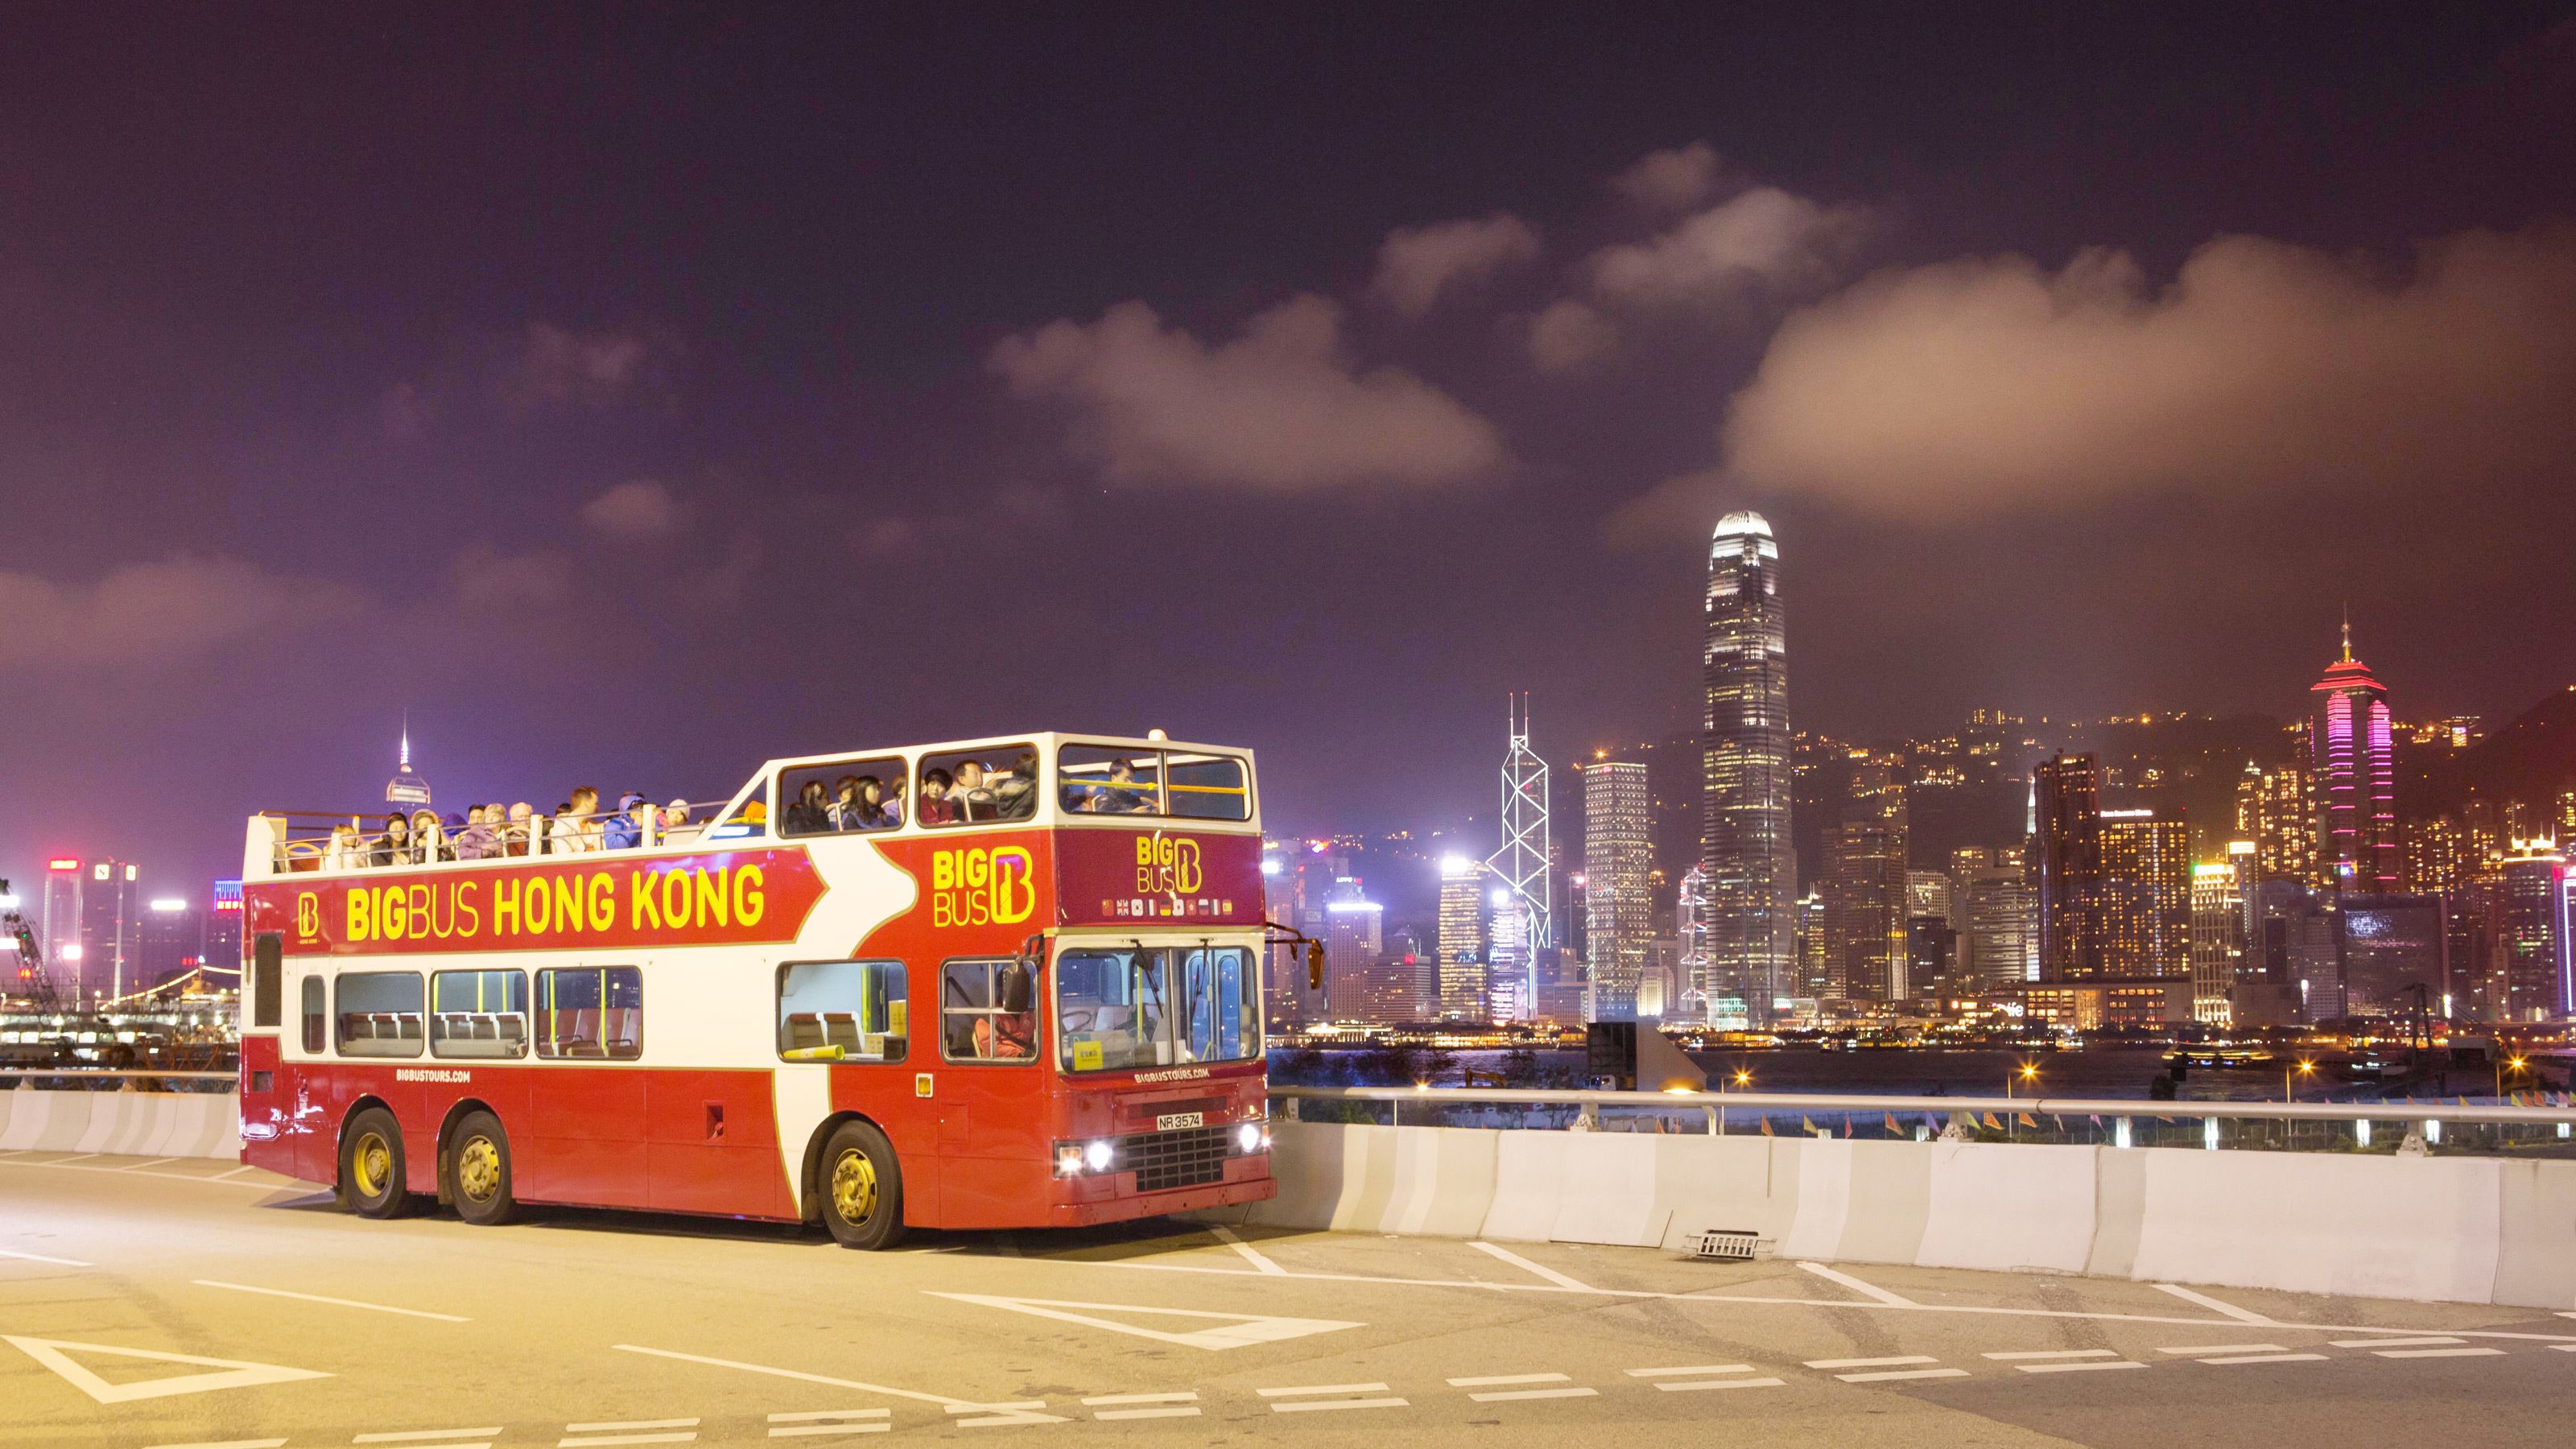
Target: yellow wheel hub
column 372, row 1164
column 478, row 1169
column 854, row 1187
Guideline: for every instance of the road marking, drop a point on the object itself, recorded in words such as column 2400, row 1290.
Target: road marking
column 1183, row 1412
column 226, row 1444
column 1525, row 1265
column 616, row 1426
column 1854, row 1363
column 334, row 1302
column 685, row 1436
column 760, row 1368
column 1183, row 1397
column 1014, row 1411
column 2427, row 1341
column 1705, row 1368
column 814, row 1422
column 1144, row 1406
column 234, row 1373
column 2267, row 1358
column 1293, row 1406
column 1491, row 1381
column 1690, row 1385
column 2080, row 1366
column 606, row 1433
column 1240, row 1330
column 2241, row 1315
column 2225, row 1348
column 1706, row 1296
column 1324, row 1389
column 1282, row 1404
column 1251, row 1254
column 41, row 1258
column 72, row 1166
column 2054, row 1353
column 1867, row 1290
column 1893, row 1375
column 155, row 1162
column 79, row 1157
column 228, row 1176
column 422, row 1435
column 2438, row 1352
column 1506, row 1395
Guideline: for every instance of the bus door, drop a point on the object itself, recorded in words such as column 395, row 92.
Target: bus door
column 994, row 1125
column 586, row 1134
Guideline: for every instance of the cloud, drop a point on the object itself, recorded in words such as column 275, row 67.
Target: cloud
column 1278, row 410
column 1670, row 181
column 554, row 366
column 1950, row 390
column 149, row 613
column 1762, row 239
column 643, row 508
column 1569, row 335
column 489, row 581
column 1416, row 263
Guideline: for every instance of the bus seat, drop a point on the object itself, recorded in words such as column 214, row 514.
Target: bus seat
column 841, row 1029
column 804, row 1029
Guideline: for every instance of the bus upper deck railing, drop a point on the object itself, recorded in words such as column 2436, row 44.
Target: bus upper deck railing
column 2450, row 1128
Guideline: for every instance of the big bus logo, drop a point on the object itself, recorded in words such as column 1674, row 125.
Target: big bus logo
column 981, row 887
column 1165, row 866
column 308, row 916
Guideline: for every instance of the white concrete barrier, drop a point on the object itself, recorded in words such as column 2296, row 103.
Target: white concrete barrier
column 134, row 1124
column 2469, row 1230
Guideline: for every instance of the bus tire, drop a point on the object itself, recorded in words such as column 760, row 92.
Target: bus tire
column 478, row 1171
column 862, row 1188
column 371, row 1165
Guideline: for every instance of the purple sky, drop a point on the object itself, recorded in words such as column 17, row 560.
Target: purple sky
column 633, row 394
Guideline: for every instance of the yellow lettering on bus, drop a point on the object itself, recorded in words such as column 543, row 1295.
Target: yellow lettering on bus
column 538, row 906
column 1009, row 906
column 443, row 928
column 603, row 908
column 713, row 909
column 749, row 901
column 416, row 907
column 943, row 870
column 472, row 924
column 505, row 907
column 641, row 904
column 676, row 899
column 362, row 915
column 568, row 911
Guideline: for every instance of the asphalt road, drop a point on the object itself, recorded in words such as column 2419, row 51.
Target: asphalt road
column 597, row 1329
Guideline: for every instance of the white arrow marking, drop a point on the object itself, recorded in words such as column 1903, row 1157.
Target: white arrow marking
column 1240, row 1328
column 236, row 1374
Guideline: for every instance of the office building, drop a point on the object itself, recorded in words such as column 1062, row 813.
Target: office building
column 2145, row 896
column 58, row 923
column 1618, row 861
column 2354, row 762
column 1864, row 890
column 1931, row 958
column 171, row 942
column 2066, row 868
column 1460, row 988
column 1702, row 999
column 2395, row 952
column 111, row 928
column 1745, row 847
column 1994, row 912
column 2529, row 966
column 1351, row 945
column 1511, row 980
column 2218, row 926
column 2276, row 809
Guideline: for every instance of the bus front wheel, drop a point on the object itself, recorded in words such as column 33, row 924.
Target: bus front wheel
column 371, row 1165
column 862, row 1188
column 478, row 1171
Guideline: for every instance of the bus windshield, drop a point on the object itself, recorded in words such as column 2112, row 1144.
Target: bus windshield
column 1156, row 1006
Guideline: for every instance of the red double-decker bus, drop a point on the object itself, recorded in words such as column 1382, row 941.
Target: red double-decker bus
column 995, row 984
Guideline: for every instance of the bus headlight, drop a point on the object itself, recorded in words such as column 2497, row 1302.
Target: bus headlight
column 1250, row 1138
column 1098, row 1156
column 1068, row 1160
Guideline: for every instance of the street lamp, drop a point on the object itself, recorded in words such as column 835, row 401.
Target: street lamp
column 2304, row 1068
column 2515, row 1065
column 2026, row 1075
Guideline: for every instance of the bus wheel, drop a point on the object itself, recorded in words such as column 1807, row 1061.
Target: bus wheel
column 862, row 1188
column 371, row 1165
column 478, row 1171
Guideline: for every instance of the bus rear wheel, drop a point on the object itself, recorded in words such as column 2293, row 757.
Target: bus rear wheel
column 478, row 1171
column 371, row 1165
column 862, row 1188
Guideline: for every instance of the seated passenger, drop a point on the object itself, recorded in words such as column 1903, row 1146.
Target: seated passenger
column 428, row 839
column 344, row 852
column 562, row 832
column 520, row 829
column 1006, row 1036
column 936, row 808
column 811, row 814
column 475, row 841
column 626, row 829
column 1015, row 795
column 675, row 822
column 973, row 796
column 890, row 803
column 585, row 816
column 1120, row 796
column 394, row 846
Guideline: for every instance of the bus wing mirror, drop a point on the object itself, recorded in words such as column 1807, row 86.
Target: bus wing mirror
column 1314, row 965
column 1017, row 991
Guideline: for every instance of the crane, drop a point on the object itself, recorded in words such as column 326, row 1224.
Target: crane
column 32, row 981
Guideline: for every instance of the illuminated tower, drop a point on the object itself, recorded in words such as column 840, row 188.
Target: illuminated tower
column 1745, row 848
column 2356, row 778
column 1618, row 856
column 1521, row 866
column 406, row 790
column 1462, row 947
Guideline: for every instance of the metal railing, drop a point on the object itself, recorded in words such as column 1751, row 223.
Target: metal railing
column 87, row 1079
column 2400, row 1126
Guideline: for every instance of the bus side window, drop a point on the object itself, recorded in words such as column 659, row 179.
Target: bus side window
column 837, row 1011
column 317, row 1030
column 594, row 1012
column 267, row 991
column 986, row 1012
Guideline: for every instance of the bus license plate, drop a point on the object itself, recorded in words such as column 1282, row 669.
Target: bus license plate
column 1172, row 1120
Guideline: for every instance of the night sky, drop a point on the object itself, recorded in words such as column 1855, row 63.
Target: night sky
column 632, row 394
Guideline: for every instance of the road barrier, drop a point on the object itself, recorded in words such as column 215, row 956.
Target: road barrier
column 127, row 1123
column 2386, row 1224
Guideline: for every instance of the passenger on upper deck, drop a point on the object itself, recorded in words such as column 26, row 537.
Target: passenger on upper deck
column 394, row 846
column 345, row 851
column 936, row 808
column 1015, row 795
column 627, row 828
column 1120, row 796
column 475, row 841
column 576, row 828
column 810, row 813
column 675, row 822
column 516, row 835
column 428, row 839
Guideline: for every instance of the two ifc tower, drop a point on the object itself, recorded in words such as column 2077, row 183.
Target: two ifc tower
column 1747, row 863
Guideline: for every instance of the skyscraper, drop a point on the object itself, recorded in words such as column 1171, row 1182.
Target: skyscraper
column 2066, row 867
column 1618, row 856
column 1864, row 890
column 2533, row 960
column 1993, row 912
column 1690, row 935
column 2354, row 760
column 111, row 929
column 2276, row 809
column 406, row 790
column 1462, row 948
column 1745, row 848
column 2218, row 922
column 1527, row 855
column 2145, row 896
column 1350, row 952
